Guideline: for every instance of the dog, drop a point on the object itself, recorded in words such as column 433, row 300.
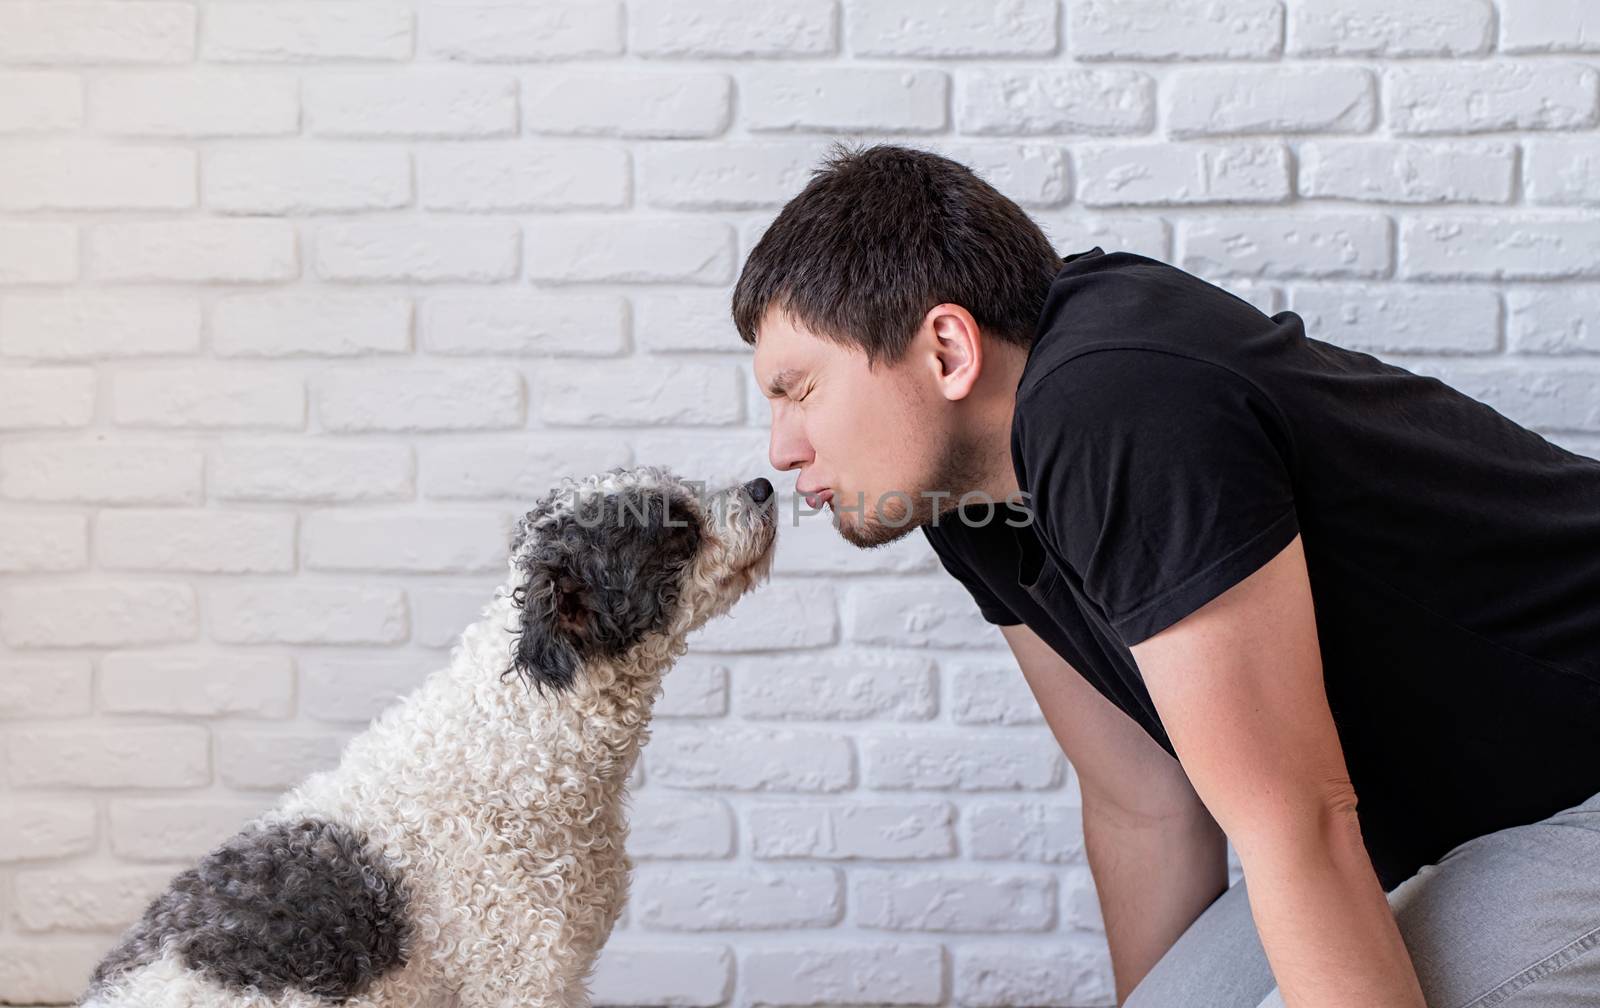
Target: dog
column 469, row 847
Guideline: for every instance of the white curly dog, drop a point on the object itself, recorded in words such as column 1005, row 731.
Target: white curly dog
column 469, row 846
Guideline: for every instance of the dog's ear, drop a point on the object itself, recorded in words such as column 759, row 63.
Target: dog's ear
column 545, row 652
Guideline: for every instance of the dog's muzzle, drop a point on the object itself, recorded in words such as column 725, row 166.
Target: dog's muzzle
column 758, row 489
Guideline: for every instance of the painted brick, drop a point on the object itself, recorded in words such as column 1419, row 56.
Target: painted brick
column 1022, row 102
column 40, row 101
column 514, row 465
column 89, row 325
column 354, row 689
column 928, row 900
column 543, row 176
column 734, row 28
column 453, row 397
column 1074, row 972
column 198, row 251
column 427, row 251
column 737, row 758
column 645, row 250
column 500, row 32
column 190, row 103
column 1406, row 171
column 1541, row 26
column 304, row 180
column 45, row 397
column 36, row 829
column 777, row 98
column 299, row 32
column 1288, row 245
column 1495, row 247
column 42, row 542
column 641, row 104
column 174, row 829
column 106, row 473
column 208, row 397
column 321, row 324
column 859, row 973
column 631, row 972
column 900, row 831
column 197, row 685
column 89, row 175
column 203, row 541
column 667, row 825
column 1049, row 833
column 669, row 897
column 1175, row 174
column 326, row 472
column 77, row 899
column 38, row 252
column 1553, row 320
column 1174, row 29
column 1270, row 100
column 1401, row 318
column 437, row 543
column 906, row 28
column 306, row 615
column 991, row 694
column 1479, row 97
column 1377, row 28
column 964, row 761
column 275, row 760
column 886, row 688
column 127, row 612
column 149, row 756
column 431, row 103
column 127, row 31
column 523, row 324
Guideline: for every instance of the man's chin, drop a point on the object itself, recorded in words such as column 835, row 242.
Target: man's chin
column 869, row 533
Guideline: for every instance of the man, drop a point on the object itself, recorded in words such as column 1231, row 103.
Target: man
column 1265, row 589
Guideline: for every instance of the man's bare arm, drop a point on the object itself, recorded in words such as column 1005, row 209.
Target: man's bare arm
column 1239, row 685
column 1157, row 856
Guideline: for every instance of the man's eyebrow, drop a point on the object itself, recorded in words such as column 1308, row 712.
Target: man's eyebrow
column 779, row 385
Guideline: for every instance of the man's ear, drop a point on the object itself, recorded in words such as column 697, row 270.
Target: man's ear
column 956, row 349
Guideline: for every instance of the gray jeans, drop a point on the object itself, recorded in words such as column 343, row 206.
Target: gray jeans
column 1510, row 918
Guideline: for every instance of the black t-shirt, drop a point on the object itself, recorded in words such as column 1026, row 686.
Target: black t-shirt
column 1173, row 438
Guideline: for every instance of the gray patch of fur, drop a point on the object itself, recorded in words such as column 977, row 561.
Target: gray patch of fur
column 600, row 579
column 292, row 906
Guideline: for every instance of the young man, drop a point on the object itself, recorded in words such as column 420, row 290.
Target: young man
column 1265, row 589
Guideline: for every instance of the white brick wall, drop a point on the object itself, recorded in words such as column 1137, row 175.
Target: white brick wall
column 284, row 284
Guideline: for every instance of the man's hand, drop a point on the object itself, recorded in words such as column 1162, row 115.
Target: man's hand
column 1238, row 685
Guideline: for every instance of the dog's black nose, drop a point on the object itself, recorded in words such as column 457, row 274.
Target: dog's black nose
column 758, row 489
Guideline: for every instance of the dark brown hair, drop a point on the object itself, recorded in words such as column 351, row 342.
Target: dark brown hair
column 883, row 233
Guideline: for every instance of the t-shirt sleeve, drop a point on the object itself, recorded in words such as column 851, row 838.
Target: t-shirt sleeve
column 992, row 609
column 1162, row 480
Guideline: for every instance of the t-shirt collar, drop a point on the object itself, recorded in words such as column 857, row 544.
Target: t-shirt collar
column 1042, row 327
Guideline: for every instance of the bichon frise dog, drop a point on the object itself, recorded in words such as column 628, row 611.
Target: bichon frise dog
column 469, row 846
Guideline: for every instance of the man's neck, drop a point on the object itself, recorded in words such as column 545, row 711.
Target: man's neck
column 1003, row 372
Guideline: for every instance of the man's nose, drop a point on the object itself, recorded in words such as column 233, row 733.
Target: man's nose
column 787, row 450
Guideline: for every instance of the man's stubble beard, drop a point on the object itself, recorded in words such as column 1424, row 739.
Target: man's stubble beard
column 960, row 470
